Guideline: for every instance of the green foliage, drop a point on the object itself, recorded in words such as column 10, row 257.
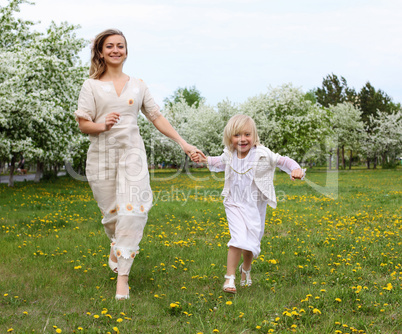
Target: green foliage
column 190, row 95
column 371, row 101
column 334, row 91
column 311, row 96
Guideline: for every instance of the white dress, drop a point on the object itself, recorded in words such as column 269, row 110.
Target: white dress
column 117, row 168
column 245, row 205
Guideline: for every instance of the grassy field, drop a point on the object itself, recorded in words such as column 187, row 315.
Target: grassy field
column 326, row 266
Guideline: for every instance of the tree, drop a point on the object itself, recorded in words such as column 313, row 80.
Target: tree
column 190, row 95
column 386, row 136
column 371, row 100
column 289, row 124
column 347, row 127
column 334, row 91
column 14, row 33
column 39, row 85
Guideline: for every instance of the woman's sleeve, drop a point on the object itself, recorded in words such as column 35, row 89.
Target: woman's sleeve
column 216, row 164
column 149, row 108
column 86, row 103
column 287, row 164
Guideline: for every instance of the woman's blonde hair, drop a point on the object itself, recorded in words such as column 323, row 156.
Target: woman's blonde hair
column 98, row 65
column 236, row 125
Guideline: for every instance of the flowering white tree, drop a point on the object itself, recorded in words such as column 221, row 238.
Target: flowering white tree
column 40, row 78
column 385, row 139
column 199, row 126
column 348, row 129
column 288, row 123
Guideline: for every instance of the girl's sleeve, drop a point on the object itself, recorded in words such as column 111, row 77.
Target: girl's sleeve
column 86, row 103
column 287, row 164
column 149, row 108
column 216, row 164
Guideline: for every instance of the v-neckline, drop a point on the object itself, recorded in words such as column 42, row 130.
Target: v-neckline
column 114, row 87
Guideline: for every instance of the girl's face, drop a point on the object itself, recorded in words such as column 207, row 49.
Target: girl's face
column 243, row 141
column 114, row 50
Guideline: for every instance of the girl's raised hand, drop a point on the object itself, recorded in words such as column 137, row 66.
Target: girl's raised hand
column 297, row 174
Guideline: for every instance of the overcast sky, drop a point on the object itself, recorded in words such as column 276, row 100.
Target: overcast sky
column 236, row 49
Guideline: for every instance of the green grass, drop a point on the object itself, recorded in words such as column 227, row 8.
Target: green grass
column 326, row 266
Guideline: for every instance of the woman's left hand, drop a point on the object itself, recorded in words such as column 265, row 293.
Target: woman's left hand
column 190, row 149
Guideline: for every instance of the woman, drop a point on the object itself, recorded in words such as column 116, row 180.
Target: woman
column 117, row 168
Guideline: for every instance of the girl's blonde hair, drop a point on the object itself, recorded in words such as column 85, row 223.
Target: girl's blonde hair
column 236, row 125
column 98, row 65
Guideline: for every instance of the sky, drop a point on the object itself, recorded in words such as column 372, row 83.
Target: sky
column 237, row 49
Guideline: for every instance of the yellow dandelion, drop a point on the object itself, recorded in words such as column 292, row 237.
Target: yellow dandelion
column 119, row 320
column 229, row 303
column 338, row 300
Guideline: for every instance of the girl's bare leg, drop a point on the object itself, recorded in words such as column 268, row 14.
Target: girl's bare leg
column 247, row 259
column 234, row 255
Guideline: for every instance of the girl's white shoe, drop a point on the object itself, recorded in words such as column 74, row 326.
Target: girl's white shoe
column 230, row 287
column 248, row 280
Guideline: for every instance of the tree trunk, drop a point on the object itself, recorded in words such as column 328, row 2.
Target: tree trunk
column 375, row 163
column 368, row 163
column 38, row 173
column 350, row 159
column 330, row 160
column 337, row 158
column 343, row 157
column 12, row 167
column 185, row 165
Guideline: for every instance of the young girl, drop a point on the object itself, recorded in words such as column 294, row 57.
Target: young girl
column 249, row 172
column 117, row 168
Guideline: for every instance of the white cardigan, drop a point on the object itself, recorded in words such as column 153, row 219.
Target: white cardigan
column 266, row 162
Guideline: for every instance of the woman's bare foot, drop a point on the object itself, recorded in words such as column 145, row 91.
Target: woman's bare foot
column 122, row 288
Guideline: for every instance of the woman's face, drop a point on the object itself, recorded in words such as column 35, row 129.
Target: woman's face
column 114, row 50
